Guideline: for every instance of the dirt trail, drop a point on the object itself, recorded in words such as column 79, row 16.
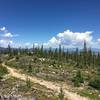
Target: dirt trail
column 48, row 84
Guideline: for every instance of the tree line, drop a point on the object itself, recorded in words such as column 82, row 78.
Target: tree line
column 82, row 58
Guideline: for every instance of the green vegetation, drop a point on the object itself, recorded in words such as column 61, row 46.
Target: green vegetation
column 14, row 86
column 78, row 79
column 61, row 94
column 28, row 83
column 3, row 71
column 95, row 82
column 77, row 68
column 91, row 94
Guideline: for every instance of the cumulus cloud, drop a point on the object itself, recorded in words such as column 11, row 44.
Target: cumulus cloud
column 98, row 40
column 75, row 36
column 27, row 44
column 73, row 39
column 2, row 29
column 5, row 43
column 67, row 38
column 54, row 40
column 6, row 37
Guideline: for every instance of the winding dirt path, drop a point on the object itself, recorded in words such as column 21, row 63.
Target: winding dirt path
column 55, row 87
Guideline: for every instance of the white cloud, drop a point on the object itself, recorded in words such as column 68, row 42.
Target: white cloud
column 96, row 44
column 67, row 38
column 73, row 39
column 98, row 40
column 6, row 37
column 6, row 33
column 54, row 40
column 9, row 35
column 5, row 43
column 2, row 29
column 27, row 44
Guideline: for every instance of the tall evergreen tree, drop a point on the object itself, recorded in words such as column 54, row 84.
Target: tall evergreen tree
column 33, row 48
column 85, row 54
column 60, row 52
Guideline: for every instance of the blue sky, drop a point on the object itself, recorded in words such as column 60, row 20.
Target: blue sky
column 40, row 21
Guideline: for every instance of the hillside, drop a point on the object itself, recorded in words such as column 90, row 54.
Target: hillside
column 64, row 74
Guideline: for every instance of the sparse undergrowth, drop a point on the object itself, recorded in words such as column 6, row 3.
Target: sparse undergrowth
column 93, row 95
column 77, row 68
column 3, row 71
column 16, row 87
column 78, row 77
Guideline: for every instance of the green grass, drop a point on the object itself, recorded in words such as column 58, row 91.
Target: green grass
column 3, row 71
column 69, row 69
column 40, row 92
column 90, row 94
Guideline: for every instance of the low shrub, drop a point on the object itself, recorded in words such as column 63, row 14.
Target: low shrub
column 95, row 82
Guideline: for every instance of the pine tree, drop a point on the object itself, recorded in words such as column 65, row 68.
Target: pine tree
column 78, row 79
column 33, row 48
column 61, row 94
column 56, row 54
column 89, row 58
column 50, row 52
column 30, row 68
column 42, row 50
column 59, row 54
column 9, row 50
column 28, row 83
column 85, row 54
